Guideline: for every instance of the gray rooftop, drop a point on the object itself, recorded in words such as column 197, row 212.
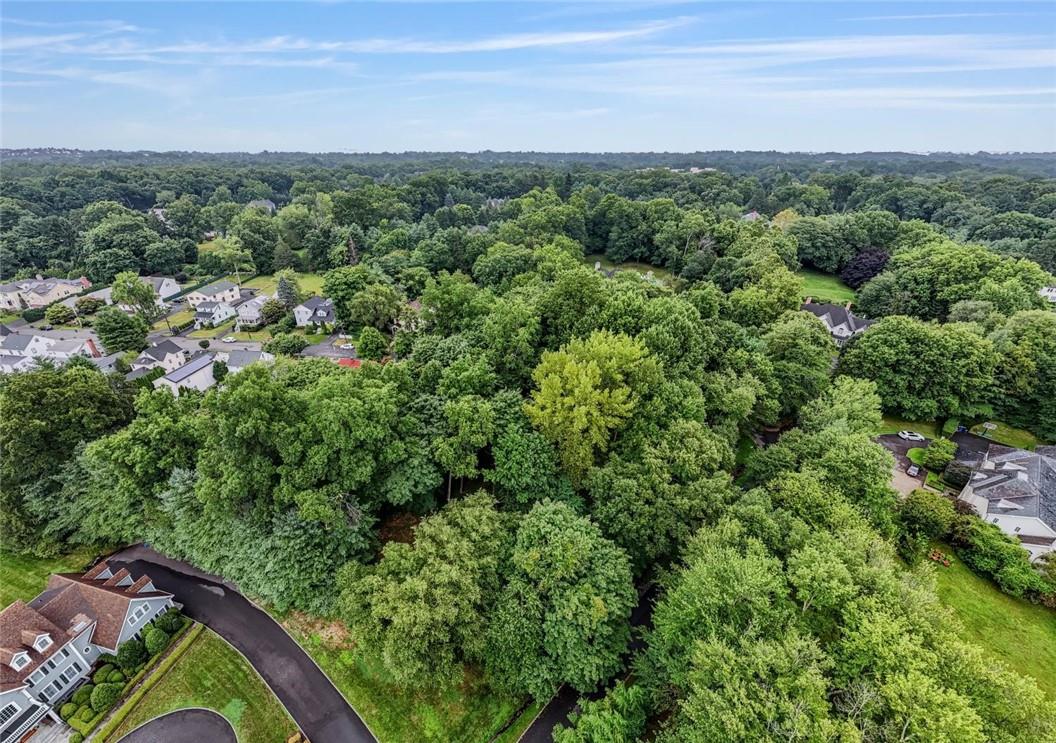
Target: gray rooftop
column 1016, row 482
column 838, row 315
column 159, row 351
column 194, row 365
column 220, row 286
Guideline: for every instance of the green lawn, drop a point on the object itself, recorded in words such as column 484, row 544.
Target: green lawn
column 662, row 274
column 214, row 675
column 916, row 456
column 310, row 283
column 1005, row 434
column 823, row 287
column 218, row 332
column 892, row 424
column 1015, row 631
column 24, row 577
column 177, row 318
column 468, row 713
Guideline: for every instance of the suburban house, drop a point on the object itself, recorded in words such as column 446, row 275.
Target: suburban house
column 266, row 204
column 19, row 352
column 238, row 360
column 164, row 355
column 841, row 322
column 314, row 310
column 1048, row 292
column 211, row 314
column 1016, row 490
column 39, row 292
column 48, row 646
column 249, row 312
column 163, row 286
column 752, row 216
column 196, row 374
column 221, row 291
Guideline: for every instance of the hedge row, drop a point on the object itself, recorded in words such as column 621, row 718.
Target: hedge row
column 86, row 726
column 126, row 709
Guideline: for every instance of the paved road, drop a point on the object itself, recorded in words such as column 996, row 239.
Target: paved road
column 184, row 726
column 315, row 704
column 558, row 709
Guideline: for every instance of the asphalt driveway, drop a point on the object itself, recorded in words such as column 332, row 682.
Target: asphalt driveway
column 317, row 707
column 184, row 726
column 901, row 481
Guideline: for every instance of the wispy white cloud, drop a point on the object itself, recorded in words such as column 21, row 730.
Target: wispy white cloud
column 935, row 16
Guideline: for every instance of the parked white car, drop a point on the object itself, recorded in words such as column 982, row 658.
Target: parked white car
column 229, row 339
column 910, row 436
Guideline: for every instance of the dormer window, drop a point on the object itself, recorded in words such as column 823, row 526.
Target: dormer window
column 42, row 643
column 20, row 661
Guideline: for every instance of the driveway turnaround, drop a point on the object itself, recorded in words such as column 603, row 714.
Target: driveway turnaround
column 316, row 705
column 184, row 726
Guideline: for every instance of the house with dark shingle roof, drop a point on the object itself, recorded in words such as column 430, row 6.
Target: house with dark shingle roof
column 314, row 311
column 1016, row 490
column 162, row 355
column 219, row 291
column 842, row 324
column 48, row 646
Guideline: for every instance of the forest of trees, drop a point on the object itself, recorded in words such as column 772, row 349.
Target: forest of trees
column 565, row 436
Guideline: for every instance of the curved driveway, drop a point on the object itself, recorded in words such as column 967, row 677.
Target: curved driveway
column 184, row 726
column 317, row 707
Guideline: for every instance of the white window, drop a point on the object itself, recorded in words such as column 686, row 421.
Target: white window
column 42, row 643
column 8, row 712
column 49, row 691
column 20, row 661
column 138, row 613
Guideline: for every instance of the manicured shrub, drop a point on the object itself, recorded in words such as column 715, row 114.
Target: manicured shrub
column 131, row 654
column 170, row 621
column 104, row 696
column 83, row 694
column 76, row 737
column 86, row 713
column 102, row 674
column 926, row 513
column 203, row 343
column 68, row 710
column 116, row 677
column 33, row 315
column 155, row 640
column 59, row 314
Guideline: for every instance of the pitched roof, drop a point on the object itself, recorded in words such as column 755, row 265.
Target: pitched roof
column 159, row 351
column 16, row 342
column 1016, row 482
column 837, row 315
column 220, row 286
column 316, row 302
column 194, row 365
column 239, row 359
column 69, row 604
column 17, row 621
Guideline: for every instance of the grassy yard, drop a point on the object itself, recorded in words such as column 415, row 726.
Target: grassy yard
column 1017, row 632
column 662, row 274
column 469, row 713
column 892, row 424
column 310, row 283
column 218, row 332
column 823, row 287
column 213, row 675
column 1005, row 434
column 177, row 318
column 24, row 577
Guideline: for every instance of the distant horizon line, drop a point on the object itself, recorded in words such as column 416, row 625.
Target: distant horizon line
column 919, row 153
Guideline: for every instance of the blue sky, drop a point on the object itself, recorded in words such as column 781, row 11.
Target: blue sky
column 532, row 75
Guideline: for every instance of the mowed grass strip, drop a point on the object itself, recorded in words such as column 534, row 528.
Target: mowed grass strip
column 309, row 283
column 1021, row 634
column 23, row 577
column 213, row 675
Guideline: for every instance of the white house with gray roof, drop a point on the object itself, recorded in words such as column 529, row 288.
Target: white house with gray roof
column 220, row 291
column 238, row 360
column 314, row 311
column 211, row 314
column 841, row 323
column 196, row 374
column 162, row 355
column 1016, row 490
